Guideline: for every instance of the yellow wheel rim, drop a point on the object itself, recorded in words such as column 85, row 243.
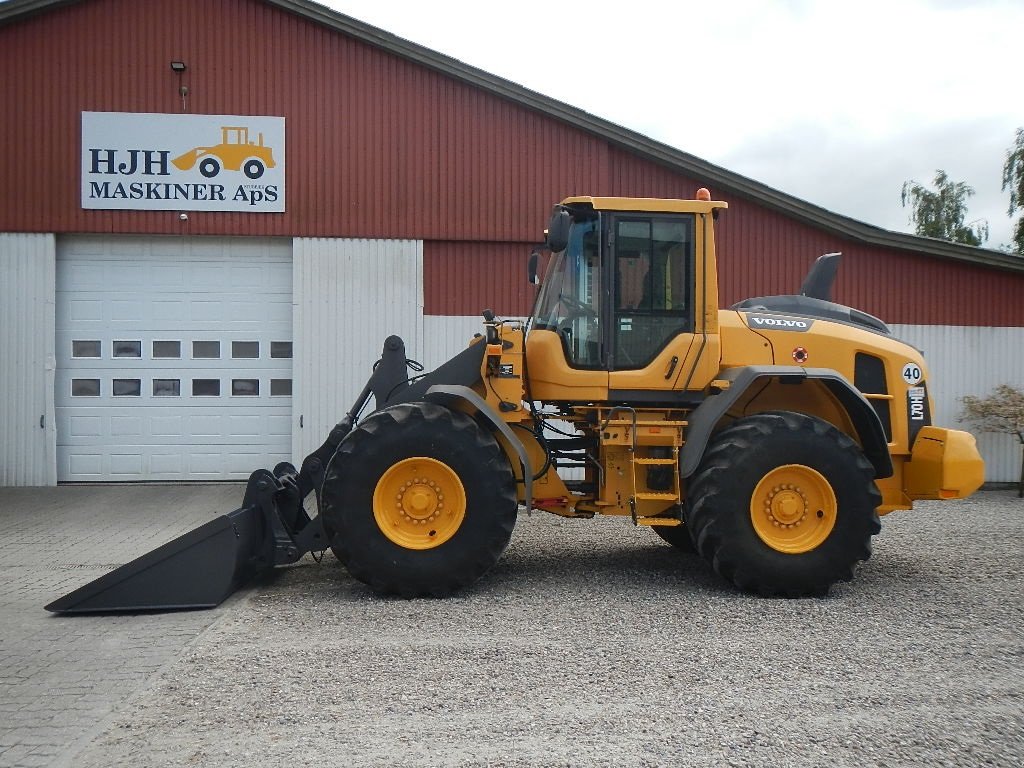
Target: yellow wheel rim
column 419, row 503
column 793, row 509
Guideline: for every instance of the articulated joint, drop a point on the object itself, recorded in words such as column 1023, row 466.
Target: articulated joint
column 453, row 395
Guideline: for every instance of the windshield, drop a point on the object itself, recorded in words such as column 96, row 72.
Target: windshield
column 569, row 299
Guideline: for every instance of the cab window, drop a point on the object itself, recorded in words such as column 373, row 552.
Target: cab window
column 569, row 302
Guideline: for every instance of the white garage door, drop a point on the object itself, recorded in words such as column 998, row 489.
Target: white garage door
column 174, row 357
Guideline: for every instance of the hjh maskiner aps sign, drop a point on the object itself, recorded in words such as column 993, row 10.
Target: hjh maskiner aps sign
column 162, row 162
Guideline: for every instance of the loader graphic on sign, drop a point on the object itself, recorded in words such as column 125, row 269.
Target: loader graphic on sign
column 235, row 153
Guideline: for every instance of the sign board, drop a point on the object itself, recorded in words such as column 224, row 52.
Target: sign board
column 165, row 162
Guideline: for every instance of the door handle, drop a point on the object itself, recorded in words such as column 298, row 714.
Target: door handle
column 671, row 367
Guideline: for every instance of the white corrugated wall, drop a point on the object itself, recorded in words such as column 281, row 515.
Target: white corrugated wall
column 969, row 360
column 28, row 447
column 349, row 295
column 444, row 337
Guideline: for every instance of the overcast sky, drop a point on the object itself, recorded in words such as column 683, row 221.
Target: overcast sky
column 836, row 103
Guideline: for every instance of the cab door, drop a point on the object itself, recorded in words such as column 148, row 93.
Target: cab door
column 652, row 318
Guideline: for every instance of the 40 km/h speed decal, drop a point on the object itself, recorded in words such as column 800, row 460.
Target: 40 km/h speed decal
column 912, row 373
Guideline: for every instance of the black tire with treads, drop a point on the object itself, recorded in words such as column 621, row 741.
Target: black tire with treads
column 718, row 509
column 391, row 436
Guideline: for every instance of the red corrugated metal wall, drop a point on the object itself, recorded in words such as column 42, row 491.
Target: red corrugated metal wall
column 378, row 146
column 461, row 278
column 761, row 252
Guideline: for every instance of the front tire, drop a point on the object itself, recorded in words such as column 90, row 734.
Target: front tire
column 783, row 504
column 419, row 501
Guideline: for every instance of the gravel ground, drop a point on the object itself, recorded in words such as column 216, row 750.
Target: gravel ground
column 593, row 643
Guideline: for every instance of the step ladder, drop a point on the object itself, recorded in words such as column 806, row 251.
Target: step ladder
column 673, row 496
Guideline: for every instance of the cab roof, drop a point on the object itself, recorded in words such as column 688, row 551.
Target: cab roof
column 646, row 204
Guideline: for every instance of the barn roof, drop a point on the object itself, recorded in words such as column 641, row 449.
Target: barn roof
column 643, row 146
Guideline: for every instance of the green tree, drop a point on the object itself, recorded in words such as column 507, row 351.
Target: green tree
column 1013, row 179
column 940, row 212
column 1002, row 411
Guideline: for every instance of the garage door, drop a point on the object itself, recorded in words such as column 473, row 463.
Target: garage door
column 174, row 357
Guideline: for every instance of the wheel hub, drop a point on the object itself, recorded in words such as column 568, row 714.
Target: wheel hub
column 786, row 506
column 793, row 509
column 420, row 500
column 419, row 503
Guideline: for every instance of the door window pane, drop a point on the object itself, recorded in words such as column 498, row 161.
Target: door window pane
column 245, row 349
column 245, row 387
column 165, row 349
column 127, row 349
column 127, row 387
column 280, row 349
column 85, row 387
column 206, row 350
column 205, row 387
column 85, row 348
column 280, row 387
column 166, row 387
column 653, row 276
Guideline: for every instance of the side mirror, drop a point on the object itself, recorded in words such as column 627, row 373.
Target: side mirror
column 558, row 230
column 531, row 268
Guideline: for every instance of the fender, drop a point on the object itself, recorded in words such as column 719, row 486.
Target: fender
column 707, row 415
column 453, row 395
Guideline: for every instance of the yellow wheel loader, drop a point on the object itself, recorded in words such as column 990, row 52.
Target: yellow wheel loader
column 768, row 436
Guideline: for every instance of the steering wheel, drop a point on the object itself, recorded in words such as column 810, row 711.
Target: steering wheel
column 576, row 308
column 578, row 312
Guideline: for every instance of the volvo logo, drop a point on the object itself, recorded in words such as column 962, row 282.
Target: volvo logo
column 778, row 323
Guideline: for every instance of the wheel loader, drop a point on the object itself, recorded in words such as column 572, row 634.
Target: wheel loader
column 769, row 436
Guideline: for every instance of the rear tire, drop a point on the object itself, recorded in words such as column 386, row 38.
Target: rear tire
column 419, row 501
column 783, row 504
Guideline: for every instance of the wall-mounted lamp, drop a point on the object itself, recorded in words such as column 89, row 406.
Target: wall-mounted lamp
column 178, row 68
